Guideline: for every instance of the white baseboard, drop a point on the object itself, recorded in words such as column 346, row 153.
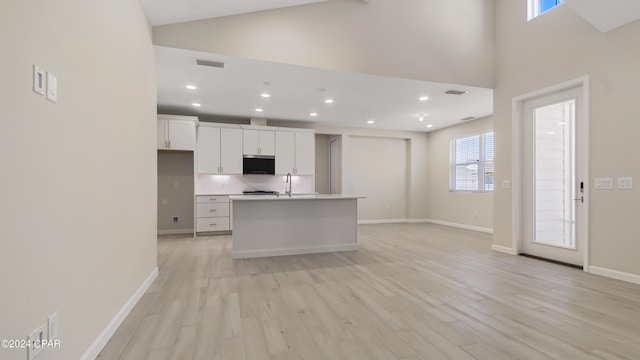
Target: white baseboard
column 417, row 221
column 293, row 251
column 461, row 226
column 99, row 343
column 382, row 221
column 175, row 232
column 614, row 274
column 504, row 249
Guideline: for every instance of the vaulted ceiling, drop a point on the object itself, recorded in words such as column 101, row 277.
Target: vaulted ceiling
column 162, row 12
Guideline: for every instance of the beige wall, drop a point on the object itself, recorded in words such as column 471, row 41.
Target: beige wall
column 416, row 158
column 77, row 216
column 553, row 48
column 458, row 207
column 322, row 164
column 379, row 171
column 433, row 40
column 175, row 190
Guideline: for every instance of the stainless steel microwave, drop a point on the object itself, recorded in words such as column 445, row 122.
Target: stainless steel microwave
column 259, row 165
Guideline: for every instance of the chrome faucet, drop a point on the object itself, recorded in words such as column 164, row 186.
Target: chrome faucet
column 289, row 181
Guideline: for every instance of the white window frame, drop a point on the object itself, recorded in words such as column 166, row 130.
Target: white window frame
column 482, row 162
column 533, row 9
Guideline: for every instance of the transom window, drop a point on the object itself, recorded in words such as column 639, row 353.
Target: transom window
column 538, row 7
column 472, row 163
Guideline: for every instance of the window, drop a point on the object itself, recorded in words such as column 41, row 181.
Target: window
column 537, row 7
column 472, row 163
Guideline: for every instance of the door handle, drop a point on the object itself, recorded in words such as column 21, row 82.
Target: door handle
column 581, row 199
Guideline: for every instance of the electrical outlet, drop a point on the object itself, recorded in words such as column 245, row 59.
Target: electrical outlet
column 36, row 339
column 52, row 326
column 175, row 219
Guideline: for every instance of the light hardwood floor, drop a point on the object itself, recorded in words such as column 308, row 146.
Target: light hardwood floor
column 411, row 291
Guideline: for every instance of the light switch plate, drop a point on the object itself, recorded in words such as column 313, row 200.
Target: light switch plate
column 39, row 79
column 625, row 183
column 506, row 184
column 52, row 88
column 36, row 338
column 52, row 323
column 603, row 183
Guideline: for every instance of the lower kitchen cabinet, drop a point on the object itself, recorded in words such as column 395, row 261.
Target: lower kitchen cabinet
column 212, row 213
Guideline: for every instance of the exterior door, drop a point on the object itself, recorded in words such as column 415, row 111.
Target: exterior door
column 553, row 191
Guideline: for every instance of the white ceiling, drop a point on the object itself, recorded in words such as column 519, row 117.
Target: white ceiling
column 297, row 91
column 606, row 15
column 162, row 12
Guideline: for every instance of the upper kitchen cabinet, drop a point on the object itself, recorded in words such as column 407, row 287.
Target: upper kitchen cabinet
column 219, row 149
column 295, row 152
column 177, row 132
column 258, row 142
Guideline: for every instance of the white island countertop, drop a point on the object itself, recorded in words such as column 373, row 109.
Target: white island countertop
column 270, row 225
column 295, row 197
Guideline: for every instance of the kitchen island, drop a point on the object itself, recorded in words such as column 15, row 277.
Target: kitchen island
column 269, row 225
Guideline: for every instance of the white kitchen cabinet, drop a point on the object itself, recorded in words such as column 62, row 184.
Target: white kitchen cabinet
column 295, row 153
column 258, row 142
column 177, row 132
column 212, row 213
column 219, row 150
column 285, row 152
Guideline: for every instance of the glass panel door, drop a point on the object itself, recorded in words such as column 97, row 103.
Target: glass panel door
column 552, row 198
column 554, row 174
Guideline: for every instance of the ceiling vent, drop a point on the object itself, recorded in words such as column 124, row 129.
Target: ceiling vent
column 211, row 63
column 455, row 92
column 469, row 118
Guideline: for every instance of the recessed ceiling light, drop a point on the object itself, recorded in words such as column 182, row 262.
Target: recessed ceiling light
column 370, row 122
column 423, row 98
column 191, row 87
column 561, row 123
column 429, row 126
column 265, row 95
column 552, row 132
column 329, row 101
column 313, row 114
column 258, row 110
column 421, row 117
column 196, row 104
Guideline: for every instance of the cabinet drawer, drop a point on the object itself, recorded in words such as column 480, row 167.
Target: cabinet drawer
column 212, row 224
column 212, row 199
column 212, row 210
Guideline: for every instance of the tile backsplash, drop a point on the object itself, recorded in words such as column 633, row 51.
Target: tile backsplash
column 236, row 184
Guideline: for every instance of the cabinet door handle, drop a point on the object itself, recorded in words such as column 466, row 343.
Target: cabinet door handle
column 213, row 224
column 213, row 199
column 213, row 210
column 221, row 169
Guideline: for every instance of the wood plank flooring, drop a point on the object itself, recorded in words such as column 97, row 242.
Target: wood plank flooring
column 411, row 291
